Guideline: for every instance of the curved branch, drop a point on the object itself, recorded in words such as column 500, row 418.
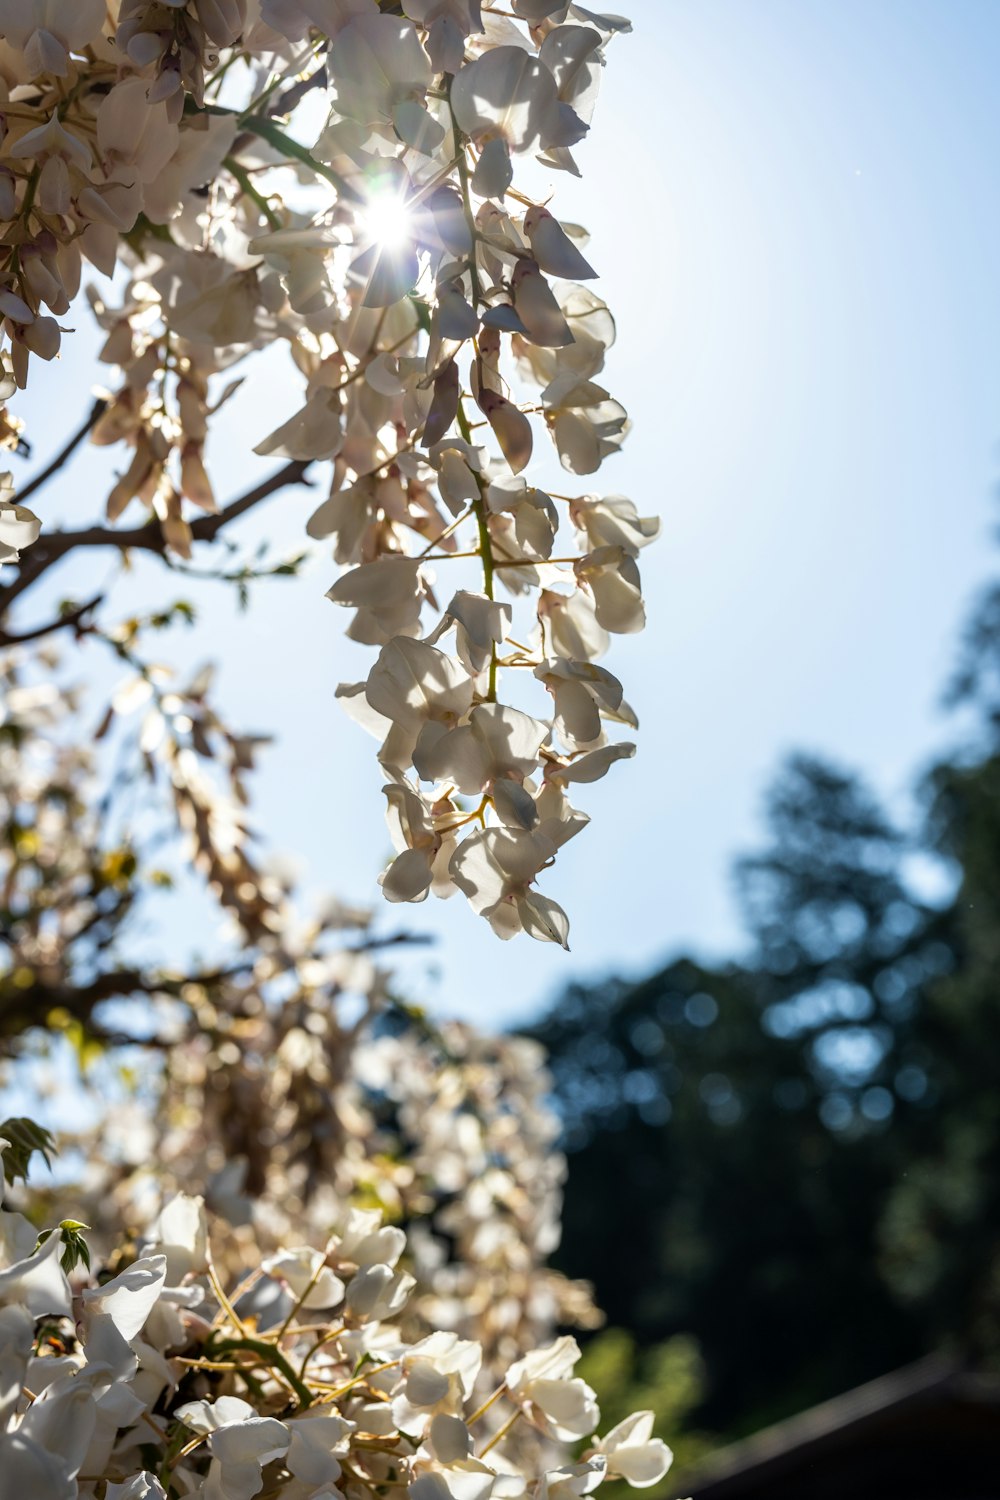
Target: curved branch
column 65, row 453
column 147, row 538
column 23, row 1009
column 66, row 621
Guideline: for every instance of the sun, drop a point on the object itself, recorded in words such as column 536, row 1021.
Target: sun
column 387, row 221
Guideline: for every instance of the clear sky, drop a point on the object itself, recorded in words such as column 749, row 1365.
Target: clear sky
column 794, row 206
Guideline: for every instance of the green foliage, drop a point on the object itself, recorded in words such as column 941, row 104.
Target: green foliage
column 75, row 1249
column 24, row 1137
column 774, row 1156
column 666, row 1379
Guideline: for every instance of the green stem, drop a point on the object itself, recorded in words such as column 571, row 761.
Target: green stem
column 470, row 218
column 479, row 506
column 275, row 136
column 485, row 547
column 270, row 1356
column 246, row 185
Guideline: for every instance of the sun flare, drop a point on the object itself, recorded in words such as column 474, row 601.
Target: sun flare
column 387, row 221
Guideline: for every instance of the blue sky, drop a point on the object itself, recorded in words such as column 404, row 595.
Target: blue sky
column 793, row 204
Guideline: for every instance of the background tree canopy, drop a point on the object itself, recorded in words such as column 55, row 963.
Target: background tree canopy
column 793, row 1159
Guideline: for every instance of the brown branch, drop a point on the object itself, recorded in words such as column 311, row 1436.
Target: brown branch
column 22, row 1010
column 65, row 453
column 65, row 621
column 392, row 940
column 147, row 538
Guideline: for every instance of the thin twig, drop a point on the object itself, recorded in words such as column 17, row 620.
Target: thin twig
column 500, row 1433
column 63, row 622
column 147, row 538
column 65, row 453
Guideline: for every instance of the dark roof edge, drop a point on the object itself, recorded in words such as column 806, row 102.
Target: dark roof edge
column 775, row 1447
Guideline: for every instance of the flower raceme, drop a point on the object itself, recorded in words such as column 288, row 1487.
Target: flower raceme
column 441, row 318
column 157, row 1382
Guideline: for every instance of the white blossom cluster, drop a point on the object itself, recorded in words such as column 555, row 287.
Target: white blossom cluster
column 157, row 1381
column 285, row 1082
column 420, row 291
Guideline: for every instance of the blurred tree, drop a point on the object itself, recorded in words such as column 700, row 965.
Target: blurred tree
column 666, row 1379
column 795, row 1159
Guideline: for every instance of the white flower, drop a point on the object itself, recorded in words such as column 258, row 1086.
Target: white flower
column 377, row 64
column 58, row 1425
column 542, row 1383
column 46, row 31
column 314, row 432
column 413, row 685
column 480, row 626
column 314, row 1438
column 364, row 1240
column 19, row 526
column 590, row 766
column 613, row 521
column 437, row 1377
column 495, row 868
column 180, row 1233
column 134, row 136
column 497, row 746
column 570, row 627
column 633, row 1453
column 307, row 1277
column 552, row 247
column 377, row 1292
column 52, row 140
column 583, row 694
column 572, row 1481
column 387, row 594
column 143, row 1487
column 420, row 846
column 116, row 1313
column 612, row 576
column 508, row 92
column 536, row 306
column 38, row 1282
column 240, row 1443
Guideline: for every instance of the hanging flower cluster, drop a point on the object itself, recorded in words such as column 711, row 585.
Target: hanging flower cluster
column 296, row 1023
column 155, row 1380
column 420, row 292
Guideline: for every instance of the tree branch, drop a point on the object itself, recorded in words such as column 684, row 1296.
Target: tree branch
column 66, row 621
column 23, row 1009
column 65, row 453
column 147, row 538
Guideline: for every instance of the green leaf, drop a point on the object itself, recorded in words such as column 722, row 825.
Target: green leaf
column 75, row 1251
column 24, row 1137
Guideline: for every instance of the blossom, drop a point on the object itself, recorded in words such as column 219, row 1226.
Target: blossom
column 438, row 322
column 572, row 1481
column 307, row 1277
column 19, row 526
column 633, row 1453
column 496, row 869
column 378, row 1292
column 240, row 1443
column 493, row 753
column 380, row 67
column 47, row 31
column 583, row 694
column 561, row 1404
column 511, row 95
column 438, row 1375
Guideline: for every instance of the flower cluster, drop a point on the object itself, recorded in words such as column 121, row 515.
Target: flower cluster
column 419, row 290
column 155, row 1380
column 297, row 1025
